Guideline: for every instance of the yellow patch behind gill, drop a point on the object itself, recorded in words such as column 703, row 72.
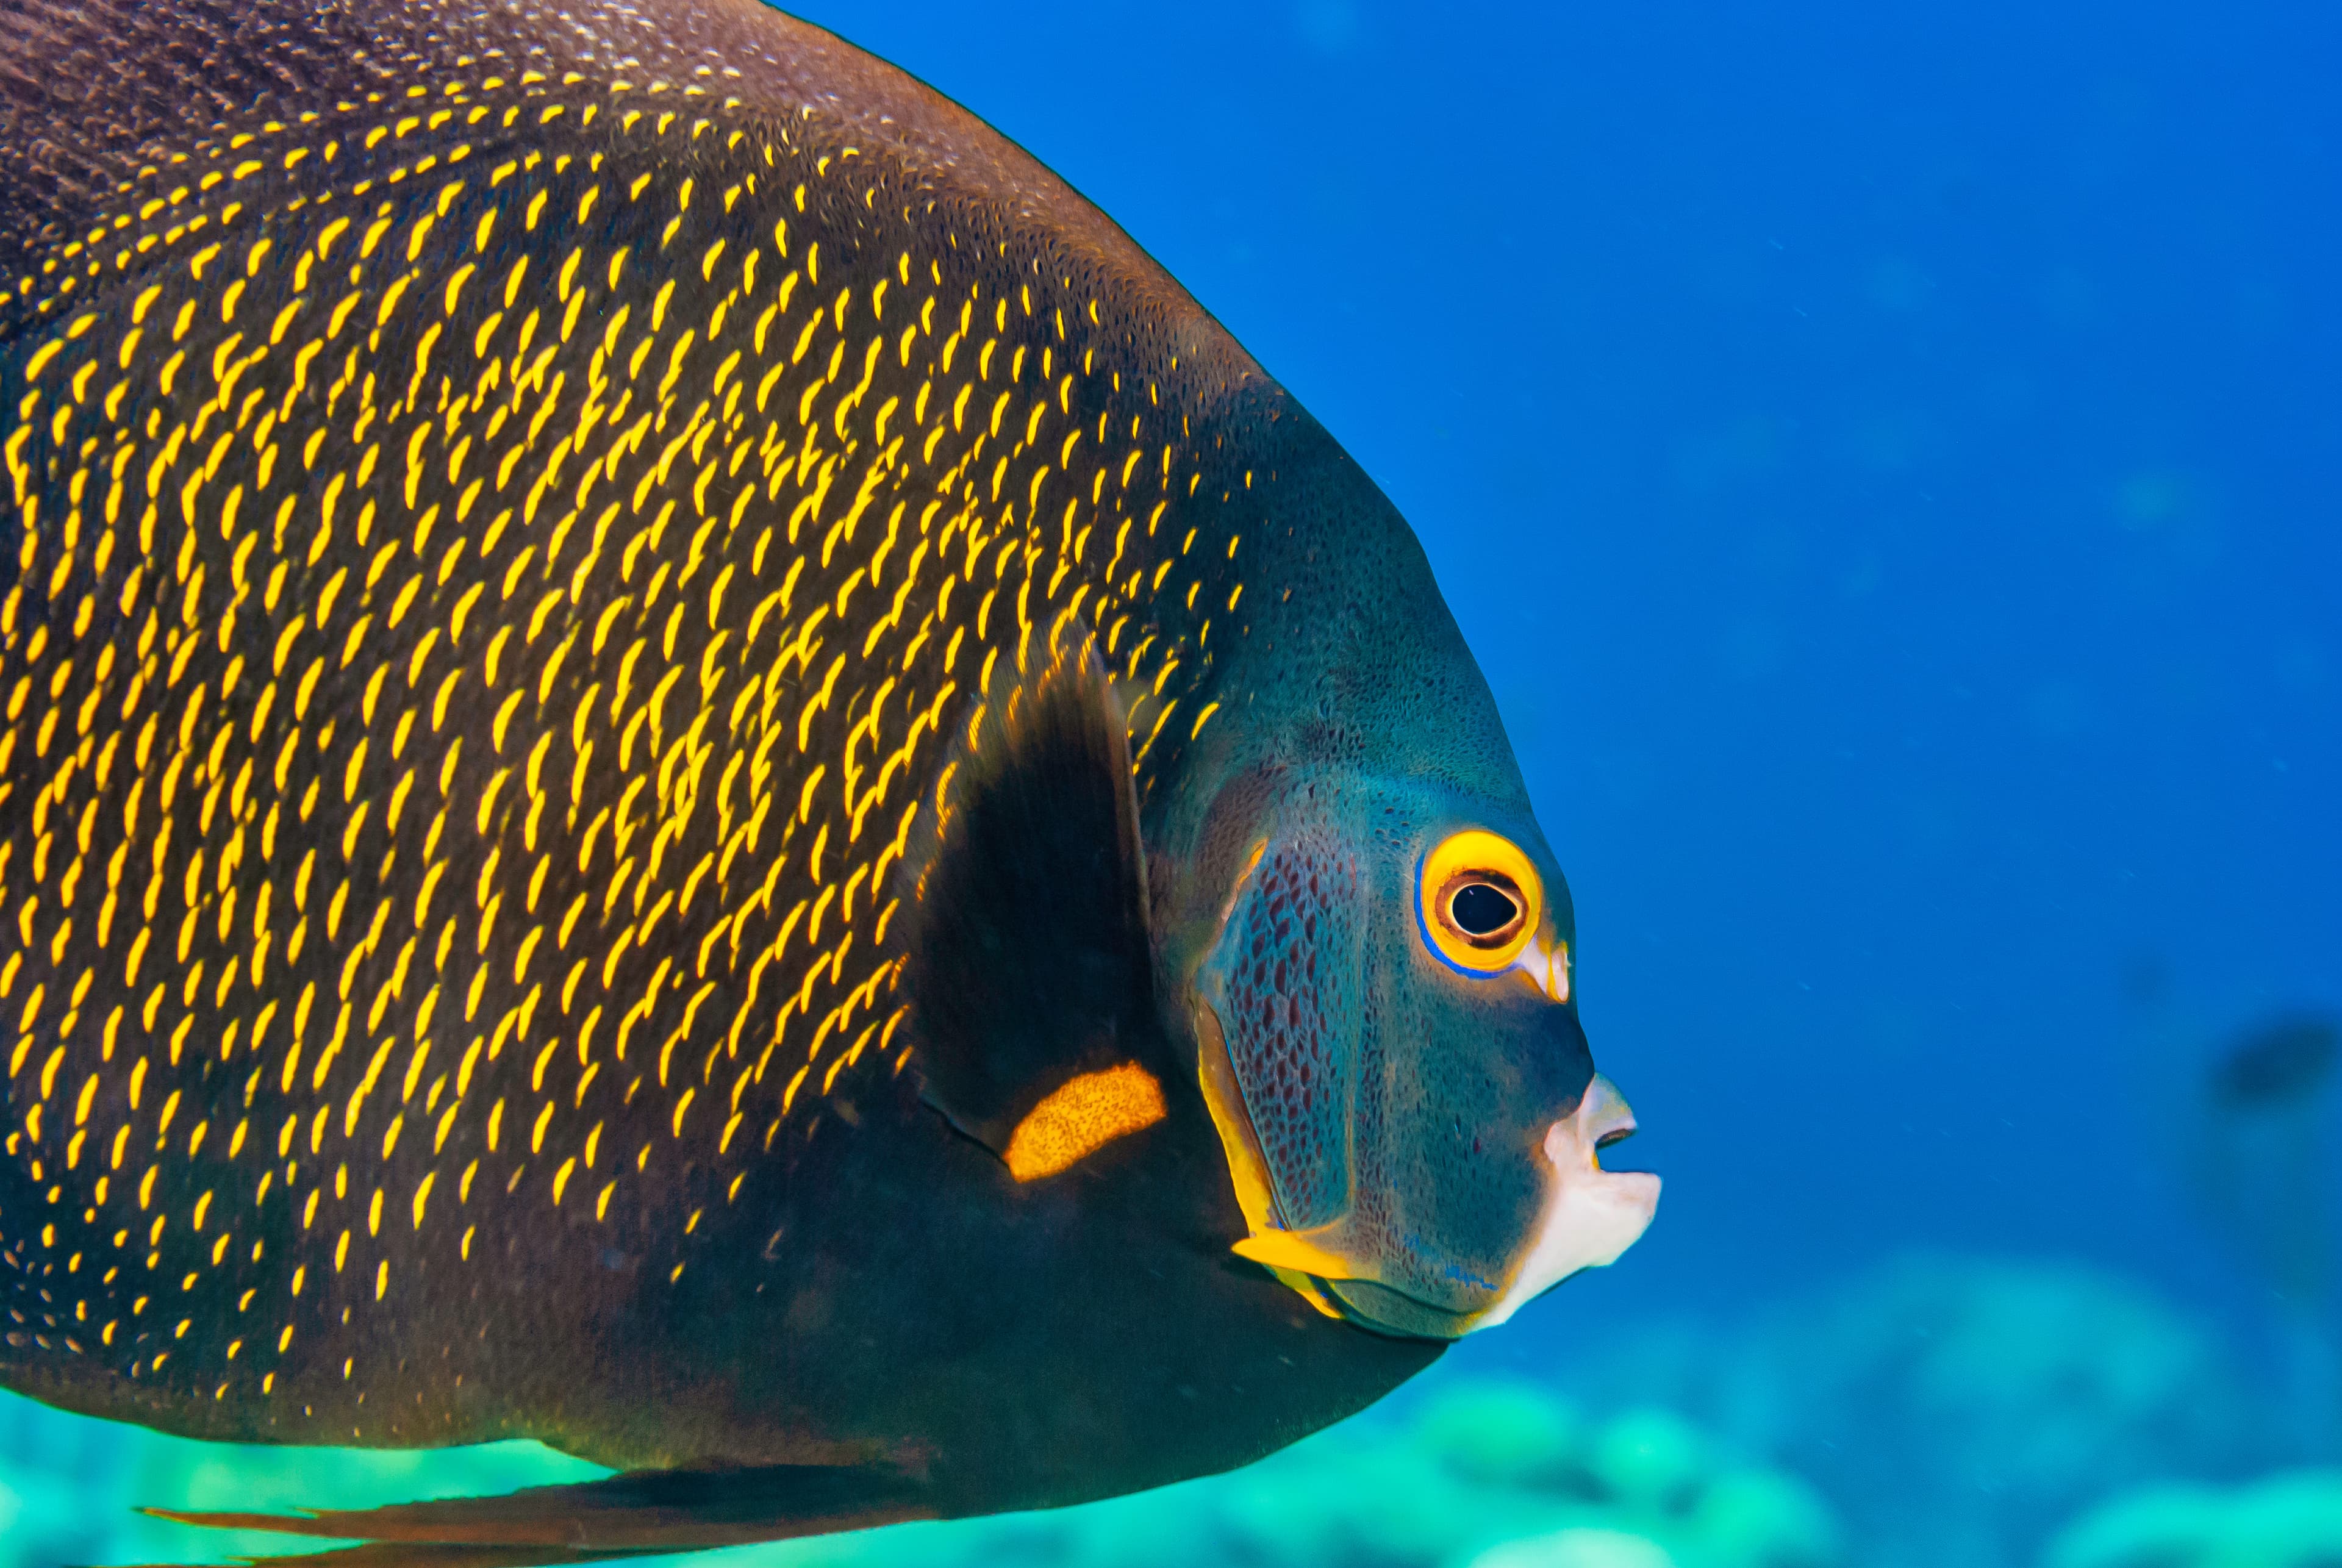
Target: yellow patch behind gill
column 1081, row 1116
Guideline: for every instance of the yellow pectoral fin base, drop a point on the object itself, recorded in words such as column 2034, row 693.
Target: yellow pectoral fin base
column 1310, row 1252
column 1295, row 1257
column 1081, row 1116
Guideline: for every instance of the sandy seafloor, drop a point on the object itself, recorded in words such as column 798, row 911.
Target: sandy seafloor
column 1886, row 459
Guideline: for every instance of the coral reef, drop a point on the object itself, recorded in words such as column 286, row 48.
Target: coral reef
column 1958, row 1409
column 1955, row 1411
column 1487, row 1475
column 2288, row 1521
column 70, row 1486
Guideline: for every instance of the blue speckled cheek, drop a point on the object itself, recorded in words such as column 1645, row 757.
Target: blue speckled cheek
column 1288, row 965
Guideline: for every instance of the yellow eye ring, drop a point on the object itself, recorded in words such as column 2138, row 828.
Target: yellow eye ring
column 1479, row 903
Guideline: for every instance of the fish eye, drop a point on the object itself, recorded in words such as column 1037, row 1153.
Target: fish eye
column 1479, row 903
column 1483, row 911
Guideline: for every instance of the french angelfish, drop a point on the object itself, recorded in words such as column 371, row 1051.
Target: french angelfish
column 690, row 770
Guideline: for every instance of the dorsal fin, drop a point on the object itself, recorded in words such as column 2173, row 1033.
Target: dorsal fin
column 1030, row 960
column 93, row 91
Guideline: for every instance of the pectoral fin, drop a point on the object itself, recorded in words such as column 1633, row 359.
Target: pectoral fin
column 407, row 1555
column 636, row 1514
column 1031, row 974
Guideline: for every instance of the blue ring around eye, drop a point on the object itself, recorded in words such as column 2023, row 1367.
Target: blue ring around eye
column 1423, row 928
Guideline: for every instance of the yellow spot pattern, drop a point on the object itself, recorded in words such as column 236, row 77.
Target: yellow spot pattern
column 493, row 603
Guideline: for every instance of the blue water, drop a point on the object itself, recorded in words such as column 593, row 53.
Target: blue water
column 1888, row 462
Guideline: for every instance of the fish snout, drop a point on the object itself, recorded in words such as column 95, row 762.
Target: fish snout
column 1591, row 1216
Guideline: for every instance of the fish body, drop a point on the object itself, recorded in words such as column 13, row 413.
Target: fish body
column 645, row 675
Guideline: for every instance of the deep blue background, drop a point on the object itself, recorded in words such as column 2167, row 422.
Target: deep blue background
column 1886, row 460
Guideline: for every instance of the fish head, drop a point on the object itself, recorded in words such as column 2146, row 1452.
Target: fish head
column 1387, row 1036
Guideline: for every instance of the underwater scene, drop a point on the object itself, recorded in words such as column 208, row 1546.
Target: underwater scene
column 1886, row 461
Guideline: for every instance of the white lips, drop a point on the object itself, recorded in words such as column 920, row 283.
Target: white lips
column 1591, row 1214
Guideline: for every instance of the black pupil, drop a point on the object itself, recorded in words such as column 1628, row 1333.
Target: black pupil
column 1480, row 909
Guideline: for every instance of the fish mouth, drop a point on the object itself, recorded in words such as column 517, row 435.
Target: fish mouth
column 1592, row 1215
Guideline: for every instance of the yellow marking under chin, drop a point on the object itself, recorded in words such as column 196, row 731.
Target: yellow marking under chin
column 1081, row 1116
column 1293, row 1250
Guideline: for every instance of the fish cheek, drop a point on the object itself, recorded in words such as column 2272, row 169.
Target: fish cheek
column 1477, row 1074
column 1285, row 981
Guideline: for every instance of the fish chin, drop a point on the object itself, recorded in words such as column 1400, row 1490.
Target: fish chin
column 1382, row 1309
column 1591, row 1216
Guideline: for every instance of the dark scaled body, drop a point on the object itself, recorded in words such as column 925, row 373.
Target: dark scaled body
column 525, row 534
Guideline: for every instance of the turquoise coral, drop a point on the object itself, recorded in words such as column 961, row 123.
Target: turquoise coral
column 1576, row 1549
column 1489, row 1475
column 1957, row 1410
column 1960, row 1408
column 2286, row 1520
column 70, row 1487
